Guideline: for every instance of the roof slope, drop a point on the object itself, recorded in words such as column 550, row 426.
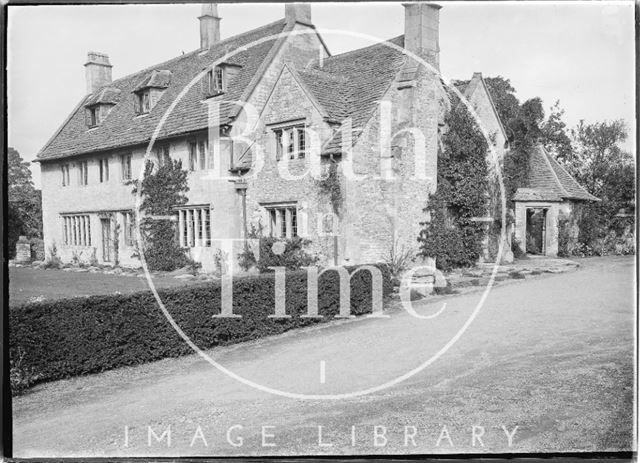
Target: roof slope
column 548, row 180
column 123, row 128
column 350, row 84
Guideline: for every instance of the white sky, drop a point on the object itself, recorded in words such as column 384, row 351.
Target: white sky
column 579, row 53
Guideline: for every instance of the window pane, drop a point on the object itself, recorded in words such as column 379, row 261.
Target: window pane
column 283, row 223
column 294, row 222
column 301, row 142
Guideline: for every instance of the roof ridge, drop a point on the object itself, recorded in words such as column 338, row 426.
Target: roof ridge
column 193, row 52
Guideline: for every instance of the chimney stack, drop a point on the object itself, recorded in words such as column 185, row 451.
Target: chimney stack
column 97, row 70
column 297, row 12
column 422, row 30
column 209, row 25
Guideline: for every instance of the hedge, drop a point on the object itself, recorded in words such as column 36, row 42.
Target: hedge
column 69, row 337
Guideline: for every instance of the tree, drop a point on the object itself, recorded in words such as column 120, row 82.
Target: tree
column 25, row 203
column 599, row 164
column 596, row 150
column 162, row 189
column 555, row 134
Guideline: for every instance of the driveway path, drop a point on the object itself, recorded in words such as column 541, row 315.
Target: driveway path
column 552, row 355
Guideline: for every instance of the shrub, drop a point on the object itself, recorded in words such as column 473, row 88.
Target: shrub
column 516, row 249
column 398, row 259
column 37, row 249
column 564, row 237
column 21, row 376
column 78, row 336
column 293, row 255
column 53, row 261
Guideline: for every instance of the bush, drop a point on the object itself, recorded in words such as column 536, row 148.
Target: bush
column 53, row 261
column 293, row 255
column 516, row 248
column 70, row 337
column 21, row 376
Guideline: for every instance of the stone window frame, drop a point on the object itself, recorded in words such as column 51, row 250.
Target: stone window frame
column 128, row 227
column 66, row 177
column 283, row 219
column 295, row 133
column 125, row 167
column 194, row 226
column 83, row 173
column 103, row 165
column 163, row 154
column 76, row 229
column 200, row 156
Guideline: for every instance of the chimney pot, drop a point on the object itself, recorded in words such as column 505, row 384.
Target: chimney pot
column 97, row 71
column 209, row 25
column 297, row 12
column 422, row 31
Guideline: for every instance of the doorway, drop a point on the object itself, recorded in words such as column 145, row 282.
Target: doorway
column 105, row 225
column 536, row 231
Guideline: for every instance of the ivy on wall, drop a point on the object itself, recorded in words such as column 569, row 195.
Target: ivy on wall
column 162, row 189
column 330, row 185
column 453, row 236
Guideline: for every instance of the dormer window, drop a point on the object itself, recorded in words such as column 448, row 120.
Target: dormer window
column 149, row 91
column 94, row 116
column 99, row 105
column 143, row 102
column 215, row 81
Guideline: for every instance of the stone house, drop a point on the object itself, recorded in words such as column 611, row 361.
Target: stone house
column 369, row 111
column 259, row 119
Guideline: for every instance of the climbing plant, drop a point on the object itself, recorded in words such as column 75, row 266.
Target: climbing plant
column 452, row 235
column 162, row 188
column 330, row 185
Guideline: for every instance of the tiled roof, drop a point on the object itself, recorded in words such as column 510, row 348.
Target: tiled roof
column 350, row 84
column 107, row 95
column 155, row 79
column 123, row 128
column 548, row 180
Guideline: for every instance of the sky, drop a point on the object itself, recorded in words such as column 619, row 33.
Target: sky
column 581, row 53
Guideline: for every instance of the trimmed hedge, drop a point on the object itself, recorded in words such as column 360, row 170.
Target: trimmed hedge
column 70, row 337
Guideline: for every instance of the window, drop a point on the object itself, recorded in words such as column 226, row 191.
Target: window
column 162, row 153
column 64, row 169
column 83, row 173
column 199, row 157
column 94, row 116
column 283, row 221
column 77, row 230
column 194, row 227
column 104, row 170
column 291, row 141
column 128, row 220
column 125, row 162
column 214, row 81
column 142, row 101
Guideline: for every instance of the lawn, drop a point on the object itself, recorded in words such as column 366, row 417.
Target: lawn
column 27, row 283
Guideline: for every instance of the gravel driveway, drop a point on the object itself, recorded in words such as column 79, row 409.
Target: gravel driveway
column 546, row 365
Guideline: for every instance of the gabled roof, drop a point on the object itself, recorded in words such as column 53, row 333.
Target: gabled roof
column 123, row 128
column 351, row 84
column 549, row 181
column 469, row 87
